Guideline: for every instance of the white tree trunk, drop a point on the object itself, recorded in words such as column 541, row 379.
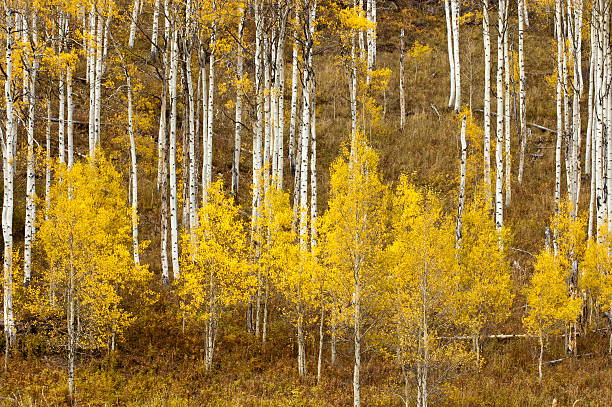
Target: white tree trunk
column 133, row 172
column 210, row 113
column 507, row 151
column 457, row 70
column 172, row 152
column 294, row 94
column 8, row 141
column 462, row 181
column 357, row 337
column 522, row 88
column 487, row 102
column 499, row 145
column 30, row 217
column 559, row 98
column 163, row 178
column 155, row 31
column 135, row 8
column 238, row 117
column 402, row 97
column 451, row 57
column 70, row 116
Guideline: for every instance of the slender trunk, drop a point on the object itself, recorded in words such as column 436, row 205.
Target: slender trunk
column 357, row 337
column 499, row 206
column 155, row 31
column 210, row 114
column 451, row 57
column 30, row 218
column 507, row 152
column 8, row 173
column 239, row 87
column 135, row 8
column 522, row 88
column 294, row 93
column 462, row 180
column 560, row 128
column 457, row 70
column 321, row 337
column 487, row 102
column 540, row 358
column 172, row 152
column 402, row 100
column 133, row 173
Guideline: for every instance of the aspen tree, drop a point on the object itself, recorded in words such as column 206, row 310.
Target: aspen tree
column 30, row 36
column 62, row 90
column 463, row 162
column 172, row 152
column 8, row 142
column 457, row 70
column 451, row 57
column 294, row 91
column 560, row 128
column 155, row 30
column 487, row 100
column 522, row 88
column 210, row 109
column 402, row 98
column 238, row 116
column 507, row 152
column 499, row 145
column 135, row 7
column 354, row 226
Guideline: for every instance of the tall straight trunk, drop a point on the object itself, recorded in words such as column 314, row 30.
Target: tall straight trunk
column 357, row 336
column 370, row 39
column 560, row 129
column 193, row 202
column 98, row 80
column 499, row 145
column 70, row 322
column 507, row 151
column 163, row 179
column 133, row 173
column 576, row 119
column 8, row 142
column 135, row 8
column 598, row 124
column 591, row 95
column 462, row 181
column 210, row 115
column 451, row 57
column 607, row 108
column 522, row 88
column 457, row 70
column 238, row 117
column 321, row 338
column 30, row 217
column 155, row 30
column 92, row 78
column 402, row 97
column 279, row 117
column 62, row 93
column 203, row 77
column 48, row 159
column 313, row 170
column 172, row 152
column 257, row 142
column 70, row 116
column 487, row 102
column 294, row 93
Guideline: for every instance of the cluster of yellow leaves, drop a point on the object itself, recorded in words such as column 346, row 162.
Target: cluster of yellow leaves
column 86, row 235
column 215, row 271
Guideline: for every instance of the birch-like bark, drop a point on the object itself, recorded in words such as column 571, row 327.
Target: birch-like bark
column 238, row 117
column 98, row 80
column 576, row 119
column 10, row 334
column 457, row 70
column 62, row 94
column 135, row 9
column 210, row 115
column 30, row 73
column 133, row 172
column 499, row 145
column 559, row 99
column 590, row 105
column 522, row 88
column 357, row 336
column 402, row 97
column 294, row 93
column 461, row 181
column 155, row 31
column 172, row 153
column 450, row 46
column 70, row 116
column 48, row 159
column 163, row 178
column 487, row 102
column 92, row 44
column 507, row 151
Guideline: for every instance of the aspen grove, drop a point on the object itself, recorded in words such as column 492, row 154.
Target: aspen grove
column 308, row 202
